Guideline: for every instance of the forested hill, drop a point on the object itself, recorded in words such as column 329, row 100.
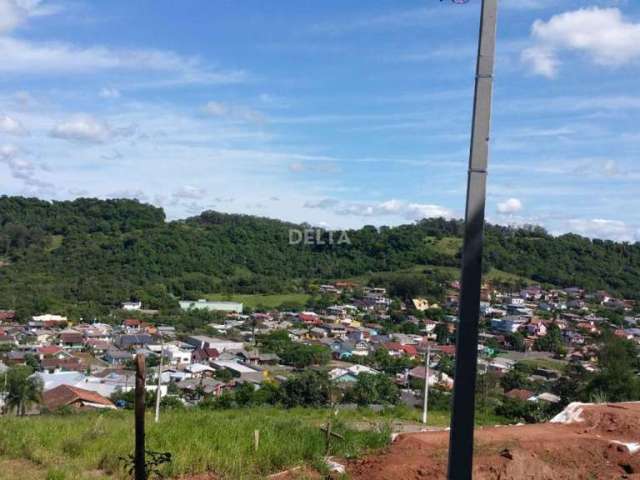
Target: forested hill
column 101, row 252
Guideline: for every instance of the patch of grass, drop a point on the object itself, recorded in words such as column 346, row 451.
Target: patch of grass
column 550, row 363
column 446, row 245
column 436, row 417
column 89, row 445
column 495, row 275
column 268, row 301
column 56, row 242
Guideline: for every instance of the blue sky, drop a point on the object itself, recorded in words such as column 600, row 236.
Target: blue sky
column 340, row 113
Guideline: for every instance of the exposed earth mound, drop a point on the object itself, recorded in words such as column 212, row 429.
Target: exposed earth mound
column 585, row 441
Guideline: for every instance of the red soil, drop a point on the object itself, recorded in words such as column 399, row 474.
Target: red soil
column 547, row 451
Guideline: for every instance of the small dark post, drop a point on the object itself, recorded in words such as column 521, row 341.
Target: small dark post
column 139, row 456
column 462, row 418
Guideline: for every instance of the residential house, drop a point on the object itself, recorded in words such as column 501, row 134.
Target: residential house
column 131, row 325
column 397, row 349
column 115, row 356
column 204, row 355
column 7, row 316
column 71, row 340
column 219, row 344
column 132, row 306
column 536, row 327
column 436, row 377
column 309, row 318
column 63, row 364
column 176, row 355
column 67, row 396
column 133, row 341
column 508, row 324
column 207, row 385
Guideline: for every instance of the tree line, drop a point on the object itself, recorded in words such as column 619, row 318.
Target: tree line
column 93, row 254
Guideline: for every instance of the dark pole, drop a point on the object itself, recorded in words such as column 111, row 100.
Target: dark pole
column 462, row 420
column 139, row 456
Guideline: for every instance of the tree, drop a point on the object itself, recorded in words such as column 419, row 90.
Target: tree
column 243, row 394
column 309, row 388
column 516, row 340
column 23, row 389
column 32, row 362
column 373, row 388
column 617, row 380
column 551, row 342
column 573, row 384
column 442, row 333
column 515, row 378
column 300, row 355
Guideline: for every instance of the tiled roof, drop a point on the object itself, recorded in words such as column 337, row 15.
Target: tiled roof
column 64, row 395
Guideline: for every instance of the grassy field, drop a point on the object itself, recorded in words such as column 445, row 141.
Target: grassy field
column 89, row 445
column 446, row 245
column 268, row 301
column 550, row 363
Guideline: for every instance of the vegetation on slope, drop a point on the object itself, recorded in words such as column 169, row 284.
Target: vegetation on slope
column 97, row 253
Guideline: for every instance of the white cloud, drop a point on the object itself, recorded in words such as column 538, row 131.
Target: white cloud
column 416, row 211
column 542, row 61
column 8, row 152
column 13, row 13
column 83, row 128
column 509, row 206
column 323, row 203
column 189, row 192
column 23, row 169
column 109, row 93
column 603, row 228
column 314, row 166
column 602, row 34
column 393, row 207
column 24, row 57
column 232, row 112
column 11, row 126
column 611, row 169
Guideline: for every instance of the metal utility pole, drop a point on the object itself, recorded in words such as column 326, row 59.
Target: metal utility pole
column 462, row 419
column 158, row 394
column 425, row 403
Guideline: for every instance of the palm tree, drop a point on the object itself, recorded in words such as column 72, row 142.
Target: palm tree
column 23, row 389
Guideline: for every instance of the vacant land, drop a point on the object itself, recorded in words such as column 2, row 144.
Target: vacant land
column 90, row 445
column 266, row 301
column 591, row 448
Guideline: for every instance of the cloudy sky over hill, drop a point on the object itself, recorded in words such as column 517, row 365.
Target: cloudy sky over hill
column 340, row 112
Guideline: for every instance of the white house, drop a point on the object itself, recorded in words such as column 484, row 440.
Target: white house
column 47, row 317
column 131, row 306
column 211, row 306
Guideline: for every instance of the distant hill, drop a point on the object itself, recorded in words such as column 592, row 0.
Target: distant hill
column 97, row 253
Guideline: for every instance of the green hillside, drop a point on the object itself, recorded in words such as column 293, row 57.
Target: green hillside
column 100, row 252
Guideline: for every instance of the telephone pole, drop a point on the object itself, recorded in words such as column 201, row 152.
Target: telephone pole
column 158, row 393
column 425, row 403
column 462, row 419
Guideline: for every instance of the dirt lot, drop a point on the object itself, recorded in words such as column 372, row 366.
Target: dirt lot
column 586, row 449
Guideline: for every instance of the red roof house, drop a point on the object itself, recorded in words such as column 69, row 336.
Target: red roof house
column 74, row 397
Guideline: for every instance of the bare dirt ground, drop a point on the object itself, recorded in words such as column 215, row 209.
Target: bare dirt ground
column 550, row 451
